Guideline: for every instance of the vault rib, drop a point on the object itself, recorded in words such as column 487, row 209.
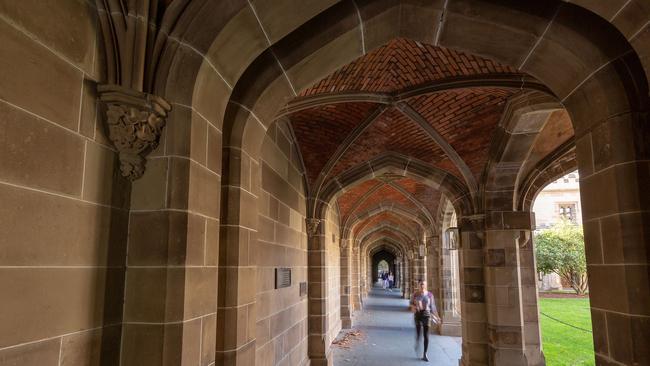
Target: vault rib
column 416, row 117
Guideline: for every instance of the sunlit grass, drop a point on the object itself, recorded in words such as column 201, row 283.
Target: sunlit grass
column 562, row 344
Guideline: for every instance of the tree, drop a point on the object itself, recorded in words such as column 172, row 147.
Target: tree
column 561, row 249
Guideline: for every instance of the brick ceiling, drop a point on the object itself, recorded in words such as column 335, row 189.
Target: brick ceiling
column 465, row 117
column 403, row 63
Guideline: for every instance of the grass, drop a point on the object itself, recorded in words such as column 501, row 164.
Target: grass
column 562, row 344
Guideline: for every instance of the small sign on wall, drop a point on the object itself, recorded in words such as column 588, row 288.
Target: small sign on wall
column 303, row 289
column 282, row 277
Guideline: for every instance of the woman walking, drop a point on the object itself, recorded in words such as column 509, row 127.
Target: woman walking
column 424, row 309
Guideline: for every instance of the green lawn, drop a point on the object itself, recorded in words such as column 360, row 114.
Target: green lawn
column 562, row 344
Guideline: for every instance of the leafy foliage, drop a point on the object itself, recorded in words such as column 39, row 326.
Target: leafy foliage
column 561, row 249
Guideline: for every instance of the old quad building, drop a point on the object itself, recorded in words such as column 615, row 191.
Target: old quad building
column 199, row 182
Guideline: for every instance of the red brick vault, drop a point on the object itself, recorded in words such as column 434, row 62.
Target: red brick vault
column 395, row 138
column 423, row 103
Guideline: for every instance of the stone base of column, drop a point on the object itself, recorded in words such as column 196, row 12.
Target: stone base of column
column 346, row 323
column 466, row 362
column 327, row 361
column 452, row 329
column 242, row 356
column 535, row 356
column 475, row 354
column 508, row 357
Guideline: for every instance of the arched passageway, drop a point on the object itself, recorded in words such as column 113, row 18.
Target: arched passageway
column 383, row 262
column 207, row 182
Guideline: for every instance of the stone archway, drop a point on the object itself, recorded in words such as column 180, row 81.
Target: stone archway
column 382, row 256
column 593, row 69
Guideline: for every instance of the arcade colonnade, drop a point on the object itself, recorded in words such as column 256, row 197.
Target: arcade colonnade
column 162, row 160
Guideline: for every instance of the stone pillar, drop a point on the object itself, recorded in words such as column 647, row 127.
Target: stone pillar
column 170, row 290
column 399, row 274
column 369, row 280
column 419, row 268
column 346, row 284
column 450, row 297
column 236, row 312
column 613, row 158
column 510, row 290
column 355, row 279
column 528, row 269
column 407, row 277
column 472, row 291
column 318, row 346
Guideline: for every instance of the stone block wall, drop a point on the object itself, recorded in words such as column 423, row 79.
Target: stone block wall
column 281, row 330
column 63, row 205
column 333, row 263
column 174, row 247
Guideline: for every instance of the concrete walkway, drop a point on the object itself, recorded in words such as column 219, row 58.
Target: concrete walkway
column 387, row 336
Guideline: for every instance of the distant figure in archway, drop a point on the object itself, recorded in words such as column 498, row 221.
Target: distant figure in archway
column 424, row 309
column 384, row 280
column 391, row 281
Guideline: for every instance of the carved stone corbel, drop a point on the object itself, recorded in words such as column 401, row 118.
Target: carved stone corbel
column 312, row 226
column 134, row 121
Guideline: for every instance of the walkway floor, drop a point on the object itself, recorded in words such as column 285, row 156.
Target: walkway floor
column 387, row 337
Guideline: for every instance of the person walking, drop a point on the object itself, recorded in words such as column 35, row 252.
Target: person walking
column 424, row 309
column 384, row 278
column 391, row 281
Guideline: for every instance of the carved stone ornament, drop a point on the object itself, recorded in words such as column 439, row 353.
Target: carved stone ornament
column 135, row 121
column 312, row 226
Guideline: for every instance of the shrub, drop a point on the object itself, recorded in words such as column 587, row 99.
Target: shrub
column 561, row 249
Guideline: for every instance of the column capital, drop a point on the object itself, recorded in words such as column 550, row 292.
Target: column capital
column 135, row 121
column 312, row 226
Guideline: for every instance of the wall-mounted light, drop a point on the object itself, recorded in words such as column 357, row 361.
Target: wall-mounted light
column 452, row 238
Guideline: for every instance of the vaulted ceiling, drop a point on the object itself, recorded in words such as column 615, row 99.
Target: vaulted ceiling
column 435, row 106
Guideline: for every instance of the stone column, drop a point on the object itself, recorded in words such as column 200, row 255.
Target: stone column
column 612, row 137
column 355, row 279
column 407, row 277
column 451, row 324
column 398, row 273
column 362, row 276
column 173, row 240
column 530, row 300
column 236, row 312
column 367, row 275
column 510, row 290
column 318, row 346
column 346, row 284
column 418, row 269
column 472, row 291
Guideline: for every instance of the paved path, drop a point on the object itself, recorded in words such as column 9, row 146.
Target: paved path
column 388, row 335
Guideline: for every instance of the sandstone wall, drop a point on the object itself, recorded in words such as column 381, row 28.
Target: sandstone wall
column 63, row 206
column 333, row 263
column 281, row 333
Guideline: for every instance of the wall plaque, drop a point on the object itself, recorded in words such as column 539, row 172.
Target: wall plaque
column 303, row 289
column 282, row 277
